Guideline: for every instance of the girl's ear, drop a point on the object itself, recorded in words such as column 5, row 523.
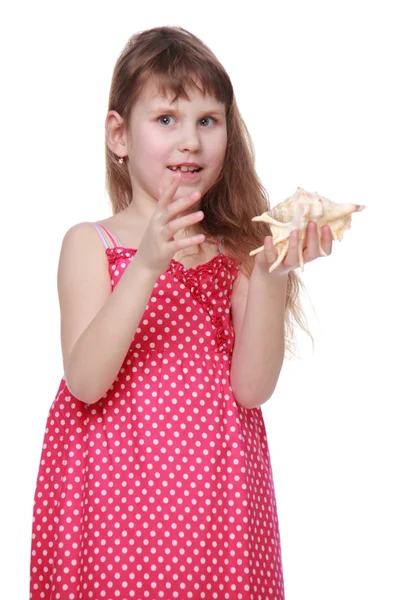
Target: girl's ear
column 115, row 133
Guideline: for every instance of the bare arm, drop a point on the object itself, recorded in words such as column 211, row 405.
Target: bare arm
column 97, row 327
column 258, row 311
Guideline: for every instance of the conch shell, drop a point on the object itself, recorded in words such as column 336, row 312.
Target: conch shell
column 296, row 212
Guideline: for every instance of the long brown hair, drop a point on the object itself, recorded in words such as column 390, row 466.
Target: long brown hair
column 176, row 61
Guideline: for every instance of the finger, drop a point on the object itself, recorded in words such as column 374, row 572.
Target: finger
column 326, row 239
column 282, row 249
column 270, row 250
column 320, row 245
column 184, row 243
column 312, row 241
column 176, row 225
column 181, row 205
column 168, row 187
column 167, row 179
column 292, row 256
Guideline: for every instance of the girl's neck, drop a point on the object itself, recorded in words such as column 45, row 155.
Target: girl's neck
column 197, row 255
column 140, row 211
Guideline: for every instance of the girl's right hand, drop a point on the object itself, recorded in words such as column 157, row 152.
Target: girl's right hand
column 158, row 244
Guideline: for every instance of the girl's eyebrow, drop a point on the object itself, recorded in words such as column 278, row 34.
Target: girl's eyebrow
column 170, row 108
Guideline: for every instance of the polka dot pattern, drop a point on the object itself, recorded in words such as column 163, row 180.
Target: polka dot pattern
column 162, row 489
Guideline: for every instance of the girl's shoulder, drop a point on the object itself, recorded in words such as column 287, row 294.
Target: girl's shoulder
column 81, row 237
column 111, row 231
column 120, row 231
column 82, row 253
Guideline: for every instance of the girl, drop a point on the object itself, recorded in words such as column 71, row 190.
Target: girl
column 155, row 479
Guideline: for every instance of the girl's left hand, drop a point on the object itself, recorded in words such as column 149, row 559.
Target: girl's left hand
column 291, row 261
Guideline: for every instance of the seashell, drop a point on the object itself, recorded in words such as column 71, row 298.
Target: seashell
column 296, row 212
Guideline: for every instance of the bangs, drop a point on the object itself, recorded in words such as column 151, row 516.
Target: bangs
column 177, row 79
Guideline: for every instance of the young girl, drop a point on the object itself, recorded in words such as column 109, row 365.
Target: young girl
column 155, row 479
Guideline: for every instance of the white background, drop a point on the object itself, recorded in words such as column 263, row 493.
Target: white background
column 317, row 84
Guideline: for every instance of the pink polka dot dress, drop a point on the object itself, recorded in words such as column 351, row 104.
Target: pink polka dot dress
column 163, row 488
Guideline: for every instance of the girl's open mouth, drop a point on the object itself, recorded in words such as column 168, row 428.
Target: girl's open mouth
column 188, row 173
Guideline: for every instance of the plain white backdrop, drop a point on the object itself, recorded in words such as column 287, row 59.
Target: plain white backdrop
column 317, row 85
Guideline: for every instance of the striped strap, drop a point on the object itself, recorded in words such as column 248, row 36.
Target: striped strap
column 109, row 240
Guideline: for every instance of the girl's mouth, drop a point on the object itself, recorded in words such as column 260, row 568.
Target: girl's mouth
column 185, row 169
column 187, row 173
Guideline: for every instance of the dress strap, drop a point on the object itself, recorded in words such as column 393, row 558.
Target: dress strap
column 109, row 239
column 220, row 241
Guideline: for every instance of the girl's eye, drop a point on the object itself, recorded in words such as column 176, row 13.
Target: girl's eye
column 163, row 119
column 207, row 119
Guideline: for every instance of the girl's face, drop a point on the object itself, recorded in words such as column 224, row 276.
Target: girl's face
column 163, row 134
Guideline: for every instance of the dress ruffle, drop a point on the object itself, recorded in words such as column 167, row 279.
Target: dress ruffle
column 193, row 278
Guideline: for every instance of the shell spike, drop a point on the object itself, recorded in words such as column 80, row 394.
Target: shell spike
column 296, row 212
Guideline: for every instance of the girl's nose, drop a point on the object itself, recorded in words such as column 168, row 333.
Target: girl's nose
column 189, row 140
